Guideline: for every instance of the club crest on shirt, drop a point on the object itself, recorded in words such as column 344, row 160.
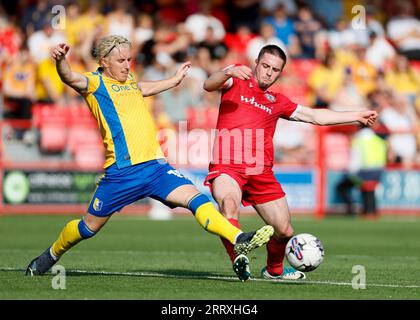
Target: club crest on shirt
column 97, row 204
column 270, row 97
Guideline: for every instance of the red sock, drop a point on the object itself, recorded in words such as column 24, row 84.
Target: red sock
column 275, row 255
column 227, row 244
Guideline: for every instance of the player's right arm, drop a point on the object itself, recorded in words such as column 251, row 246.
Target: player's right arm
column 326, row 117
column 218, row 79
column 75, row 80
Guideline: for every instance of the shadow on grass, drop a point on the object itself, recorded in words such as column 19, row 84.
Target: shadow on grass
column 148, row 273
column 182, row 274
column 167, row 274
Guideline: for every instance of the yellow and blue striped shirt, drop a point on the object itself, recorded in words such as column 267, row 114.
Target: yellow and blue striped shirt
column 127, row 127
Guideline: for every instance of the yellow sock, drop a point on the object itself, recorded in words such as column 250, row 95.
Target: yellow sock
column 213, row 221
column 69, row 237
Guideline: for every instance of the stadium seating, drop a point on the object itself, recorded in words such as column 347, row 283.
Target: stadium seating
column 68, row 128
column 89, row 158
column 337, row 146
column 203, row 118
column 81, row 137
column 84, row 142
column 80, row 115
column 303, row 67
column 415, row 65
column 50, row 120
column 298, row 93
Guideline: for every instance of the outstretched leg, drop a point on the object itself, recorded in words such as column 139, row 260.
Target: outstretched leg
column 210, row 219
column 74, row 232
column 277, row 214
column 228, row 195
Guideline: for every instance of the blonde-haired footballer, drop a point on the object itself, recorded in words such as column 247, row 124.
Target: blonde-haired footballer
column 135, row 166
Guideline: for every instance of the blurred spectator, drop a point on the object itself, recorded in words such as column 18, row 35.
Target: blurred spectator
column 284, row 29
column 162, row 35
column 171, row 12
column 402, row 123
column 90, row 19
column 196, row 75
column 367, row 160
column 204, row 60
column 373, row 25
column 403, row 78
column 210, row 105
column 307, row 29
column 144, row 30
column 217, row 48
column 165, row 32
column 344, row 36
column 166, row 45
column 157, row 67
column 49, row 87
column 3, row 16
column 176, row 104
column 266, row 36
column 330, row 11
column 364, row 74
column 86, row 49
column 34, row 16
column 41, row 42
column 268, row 6
column 74, row 30
column 326, row 80
column 204, row 115
column 11, row 37
column 244, row 12
column 199, row 23
column 404, row 31
column 163, row 120
column 120, row 22
column 348, row 96
column 294, row 142
column 237, row 43
column 379, row 52
column 19, row 88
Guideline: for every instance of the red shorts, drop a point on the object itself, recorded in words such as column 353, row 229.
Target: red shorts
column 256, row 189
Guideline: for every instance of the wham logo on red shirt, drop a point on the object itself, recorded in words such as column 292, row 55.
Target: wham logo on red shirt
column 256, row 104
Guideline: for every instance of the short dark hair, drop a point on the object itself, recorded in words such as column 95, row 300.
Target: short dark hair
column 274, row 50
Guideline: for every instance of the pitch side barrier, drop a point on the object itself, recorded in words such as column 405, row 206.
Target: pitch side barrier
column 63, row 187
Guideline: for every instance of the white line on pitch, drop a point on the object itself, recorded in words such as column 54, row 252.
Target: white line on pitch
column 162, row 275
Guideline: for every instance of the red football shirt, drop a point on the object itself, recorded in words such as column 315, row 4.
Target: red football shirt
column 246, row 124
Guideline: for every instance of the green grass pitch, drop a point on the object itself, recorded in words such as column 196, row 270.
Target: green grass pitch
column 137, row 258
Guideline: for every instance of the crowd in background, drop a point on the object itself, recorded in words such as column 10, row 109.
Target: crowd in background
column 339, row 58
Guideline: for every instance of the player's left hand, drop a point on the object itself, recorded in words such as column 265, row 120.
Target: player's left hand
column 368, row 117
column 182, row 72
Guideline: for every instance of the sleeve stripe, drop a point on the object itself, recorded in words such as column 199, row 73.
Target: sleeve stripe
column 87, row 84
column 228, row 84
column 293, row 115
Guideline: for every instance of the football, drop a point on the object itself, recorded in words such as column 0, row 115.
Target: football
column 304, row 252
